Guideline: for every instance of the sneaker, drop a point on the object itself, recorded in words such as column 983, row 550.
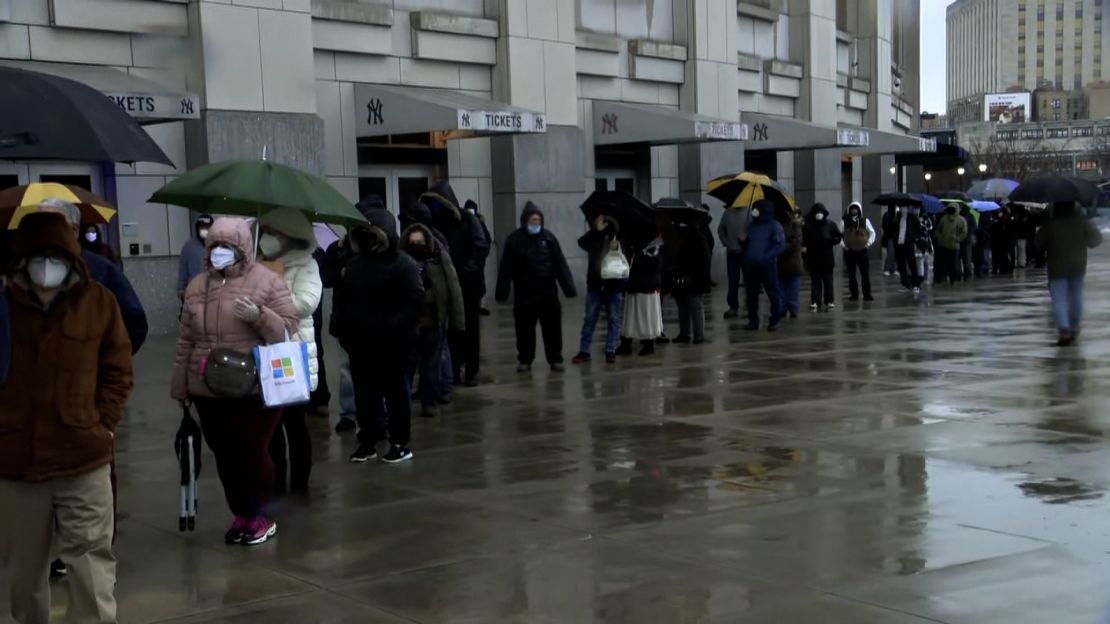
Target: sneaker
column 793, row 314
column 259, row 531
column 868, row 299
column 887, row 274
column 662, row 339
column 345, row 424
column 558, row 367
column 682, row 340
column 813, row 306
column 523, row 368
column 732, row 313
column 610, row 358
column 397, row 454
column 58, row 569
column 364, row 453
column 582, row 357
column 916, row 290
column 429, row 411
column 234, row 534
column 1066, row 339
column 830, row 306
column 626, row 347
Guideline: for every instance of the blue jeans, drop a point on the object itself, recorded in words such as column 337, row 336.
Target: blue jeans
column 760, row 278
column 1067, row 301
column 612, row 303
column 791, row 294
column 734, row 262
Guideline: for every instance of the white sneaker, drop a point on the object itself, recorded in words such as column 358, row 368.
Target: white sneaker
column 831, row 306
column 813, row 306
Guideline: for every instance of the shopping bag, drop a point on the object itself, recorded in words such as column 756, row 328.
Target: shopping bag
column 283, row 373
column 614, row 266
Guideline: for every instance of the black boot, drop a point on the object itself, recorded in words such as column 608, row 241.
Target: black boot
column 626, row 347
column 647, row 347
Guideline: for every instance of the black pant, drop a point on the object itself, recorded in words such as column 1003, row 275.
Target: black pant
column 691, row 315
column 821, row 286
column 762, row 278
column 549, row 314
column 427, row 357
column 946, row 268
column 381, row 394
column 321, row 396
column 1002, row 255
column 858, row 260
column 967, row 263
column 239, row 432
column 466, row 346
column 907, row 266
column 292, row 437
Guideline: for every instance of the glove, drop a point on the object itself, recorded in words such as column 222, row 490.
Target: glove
column 247, row 311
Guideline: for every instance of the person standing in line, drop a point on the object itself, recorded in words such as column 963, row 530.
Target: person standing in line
column 858, row 236
column 642, row 318
column 908, row 230
column 443, row 309
column 287, row 238
column 951, row 235
column 1022, row 233
column 473, row 283
column 1065, row 239
column 376, row 318
column 321, row 396
column 686, row 267
column 93, row 241
column 238, row 304
column 967, row 248
column 191, row 262
column 1003, row 242
column 70, row 379
column 764, row 243
column 734, row 223
column 820, row 238
column 790, row 263
column 534, row 268
column 601, row 294
column 890, row 233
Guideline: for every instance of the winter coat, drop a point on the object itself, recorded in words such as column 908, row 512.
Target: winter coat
column 820, row 238
column 439, row 273
column 1066, row 238
column 379, row 298
column 104, row 272
column 686, row 260
column 790, row 262
column 597, row 244
column 191, row 262
column 71, row 367
column 857, row 235
column 890, row 226
column 477, row 281
column 766, row 239
column 969, row 220
column 302, row 277
column 951, row 231
column 208, row 318
column 646, row 269
column 914, row 228
column 466, row 239
column 734, row 222
column 533, row 265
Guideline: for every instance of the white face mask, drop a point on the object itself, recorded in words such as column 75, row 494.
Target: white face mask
column 90, row 236
column 820, row 216
column 270, row 245
column 222, row 257
column 755, row 213
column 203, row 234
column 47, row 272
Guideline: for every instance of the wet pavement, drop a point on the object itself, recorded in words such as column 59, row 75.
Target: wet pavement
column 908, row 461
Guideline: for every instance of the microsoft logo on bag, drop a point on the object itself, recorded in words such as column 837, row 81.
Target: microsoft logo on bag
column 283, row 368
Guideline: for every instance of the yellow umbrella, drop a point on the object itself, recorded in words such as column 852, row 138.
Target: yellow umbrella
column 743, row 189
column 18, row 201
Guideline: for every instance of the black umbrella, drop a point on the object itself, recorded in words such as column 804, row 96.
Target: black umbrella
column 635, row 218
column 1048, row 189
column 678, row 211
column 896, row 199
column 186, row 445
column 49, row 117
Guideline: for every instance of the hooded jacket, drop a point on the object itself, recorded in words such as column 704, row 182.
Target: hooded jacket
column 379, row 296
column 734, row 222
column 72, row 370
column 439, row 273
column 533, row 265
column 766, row 238
column 790, row 262
column 302, row 276
column 208, row 318
column 889, row 225
column 466, row 239
column 820, row 237
column 858, row 235
column 951, row 230
column 687, row 259
column 597, row 244
column 191, row 262
column 1066, row 237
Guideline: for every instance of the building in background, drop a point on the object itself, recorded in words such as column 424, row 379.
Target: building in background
column 513, row 100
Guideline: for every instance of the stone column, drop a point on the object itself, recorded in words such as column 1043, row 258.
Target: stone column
column 253, row 67
column 536, row 70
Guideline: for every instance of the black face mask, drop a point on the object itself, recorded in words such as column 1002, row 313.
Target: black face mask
column 419, row 251
column 951, row 211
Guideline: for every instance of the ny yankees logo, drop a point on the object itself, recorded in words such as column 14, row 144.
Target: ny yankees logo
column 465, row 120
column 186, row 106
column 609, row 123
column 374, row 117
column 759, row 132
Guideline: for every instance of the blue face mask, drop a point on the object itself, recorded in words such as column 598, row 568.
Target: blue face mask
column 534, row 228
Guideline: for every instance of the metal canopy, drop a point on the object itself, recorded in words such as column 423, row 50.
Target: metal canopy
column 778, row 133
column 877, row 142
column 147, row 101
column 382, row 110
column 616, row 123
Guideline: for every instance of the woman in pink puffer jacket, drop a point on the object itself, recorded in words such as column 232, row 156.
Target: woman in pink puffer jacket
column 235, row 304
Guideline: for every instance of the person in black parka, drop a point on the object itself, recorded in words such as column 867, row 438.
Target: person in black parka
column 534, row 268
column 820, row 237
column 686, row 267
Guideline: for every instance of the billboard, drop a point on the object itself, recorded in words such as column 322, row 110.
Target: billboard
column 1008, row 107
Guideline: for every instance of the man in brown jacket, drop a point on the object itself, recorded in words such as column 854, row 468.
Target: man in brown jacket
column 70, row 378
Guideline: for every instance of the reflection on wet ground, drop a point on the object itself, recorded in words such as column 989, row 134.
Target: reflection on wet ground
column 910, row 461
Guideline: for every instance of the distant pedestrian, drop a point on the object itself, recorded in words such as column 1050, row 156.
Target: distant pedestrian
column 191, row 261
column 642, row 318
column 967, row 248
column 92, row 240
column 859, row 235
column 889, row 235
column 734, row 223
column 686, row 268
column 820, row 238
column 951, row 234
column 534, row 268
column 765, row 241
column 602, row 295
column 791, row 265
column 908, row 229
column 1065, row 238
column 473, row 281
column 1003, row 242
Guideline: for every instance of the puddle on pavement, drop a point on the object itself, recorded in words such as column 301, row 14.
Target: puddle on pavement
column 1060, row 491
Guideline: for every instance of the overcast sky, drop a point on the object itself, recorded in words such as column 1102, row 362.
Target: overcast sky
column 933, row 57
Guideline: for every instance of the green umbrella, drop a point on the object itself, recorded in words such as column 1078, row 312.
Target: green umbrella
column 251, row 188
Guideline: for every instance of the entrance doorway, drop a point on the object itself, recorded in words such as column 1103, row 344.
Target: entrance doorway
column 397, row 186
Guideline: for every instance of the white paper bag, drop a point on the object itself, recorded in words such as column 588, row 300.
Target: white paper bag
column 283, row 373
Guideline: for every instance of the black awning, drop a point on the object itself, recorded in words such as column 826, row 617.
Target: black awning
column 947, row 156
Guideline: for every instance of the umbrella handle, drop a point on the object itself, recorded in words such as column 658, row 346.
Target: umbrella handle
column 192, row 494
